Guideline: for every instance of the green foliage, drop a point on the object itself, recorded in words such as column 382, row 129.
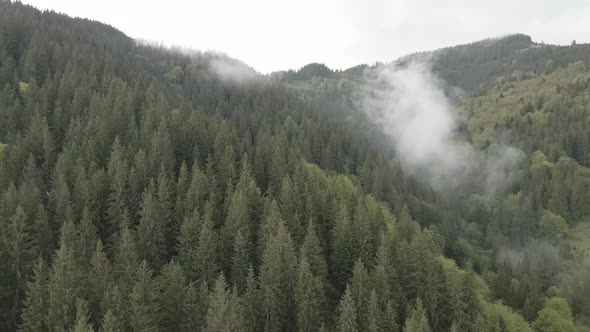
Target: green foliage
column 138, row 178
column 417, row 320
column 497, row 314
column 225, row 312
column 2, row 148
column 556, row 315
column 347, row 319
column 552, row 226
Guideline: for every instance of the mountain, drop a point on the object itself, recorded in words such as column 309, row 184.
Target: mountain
column 144, row 188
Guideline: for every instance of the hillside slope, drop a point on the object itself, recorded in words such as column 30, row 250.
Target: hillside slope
column 150, row 189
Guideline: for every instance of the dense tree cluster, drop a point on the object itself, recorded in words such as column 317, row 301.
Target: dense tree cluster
column 141, row 189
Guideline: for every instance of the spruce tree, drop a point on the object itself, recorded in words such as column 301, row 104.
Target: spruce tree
column 347, row 320
column 110, row 322
column 240, row 262
column 224, row 312
column 173, row 288
column 417, row 320
column 194, row 306
column 188, row 240
column 82, row 317
column 360, row 290
column 143, row 301
column 277, row 280
column 252, row 303
column 309, row 298
column 34, row 316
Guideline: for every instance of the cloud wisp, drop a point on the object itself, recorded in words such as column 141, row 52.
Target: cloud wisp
column 411, row 107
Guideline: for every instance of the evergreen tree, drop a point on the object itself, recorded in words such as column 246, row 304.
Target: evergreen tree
column 34, row 316
column 63, row 283
column 207, row 249
column 100, row 278
column 143, row 301
column 110, row 323
column 194, row 307
column 117, row 201
column 173, row 289
column 225, row 312
column 82, row 317
column 188, row 240
column 277, row 280
column 374, row 314
column 343, row 247
column 347, row 320
column 150, row 231
column 312, row 251
column 309, row 298
column 21, row 250
column 252, row 303
column 240, row 262
column 417, row 320
column 360, row 290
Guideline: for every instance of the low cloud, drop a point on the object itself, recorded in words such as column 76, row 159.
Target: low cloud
column 412, row 107
column 232, row 70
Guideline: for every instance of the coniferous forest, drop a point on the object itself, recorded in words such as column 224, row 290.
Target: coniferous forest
column 141, row 190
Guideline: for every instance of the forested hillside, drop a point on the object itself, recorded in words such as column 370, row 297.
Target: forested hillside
column 148, row 189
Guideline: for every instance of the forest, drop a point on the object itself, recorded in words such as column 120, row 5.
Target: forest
column 144, row 189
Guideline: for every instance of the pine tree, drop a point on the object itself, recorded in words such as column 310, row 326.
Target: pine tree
column 347, row 320
column 182, row 186
column 207, row 249
column 43, row 233
column 194, row 306
column 390, row 320
column 82, row 317
column 309, row 298
column 471, row 300
column 240, row 262
column 187, row 245
column 252, row 303
column 34, row 316
column 237, row 221
column 110, row 322
column 86, row 240
column 150, row 231
column 197, row 191
column 292, row 208
column 277, row 280
column 143, row 301
column 99, row 279
column 360, row 290
column 224, row 312
column 165, row 213
column 269, row 226
column 374, row 314
column 417, row 320
column 173, row 288
column 21, row 250
column 117, row 170
column 312, row 251
column 126, row 261
column 344, row 250
column 63, row 283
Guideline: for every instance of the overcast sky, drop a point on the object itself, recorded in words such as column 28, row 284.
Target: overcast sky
column 274, row 34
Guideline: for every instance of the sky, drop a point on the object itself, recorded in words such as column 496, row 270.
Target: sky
column 272, row 35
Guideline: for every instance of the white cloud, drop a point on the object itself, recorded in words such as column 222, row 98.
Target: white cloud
column 410, row 106
column 273, row 34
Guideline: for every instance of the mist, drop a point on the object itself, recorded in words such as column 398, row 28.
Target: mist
column 231, row 70
column 413, row 108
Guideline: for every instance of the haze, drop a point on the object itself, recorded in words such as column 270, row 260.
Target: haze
column 275, row 35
